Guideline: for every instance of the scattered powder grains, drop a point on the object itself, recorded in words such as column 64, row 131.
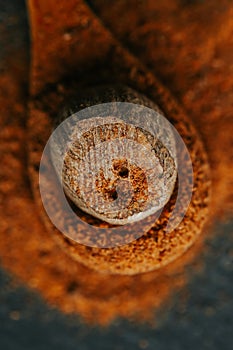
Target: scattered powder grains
column 27, row 247
column 156, row 248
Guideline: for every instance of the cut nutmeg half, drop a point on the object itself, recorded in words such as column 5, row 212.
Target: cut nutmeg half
column 116, row 160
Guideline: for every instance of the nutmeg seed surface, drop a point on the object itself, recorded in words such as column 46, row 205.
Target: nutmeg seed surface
column 116, row 162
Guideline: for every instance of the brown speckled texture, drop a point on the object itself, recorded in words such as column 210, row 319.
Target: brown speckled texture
column 28, row 248
column 156, row 248
column 116, row 163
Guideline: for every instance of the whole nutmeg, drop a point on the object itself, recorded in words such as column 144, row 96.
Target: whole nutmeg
column 115, row 154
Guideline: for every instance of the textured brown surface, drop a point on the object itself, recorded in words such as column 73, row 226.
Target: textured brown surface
column 102, row 297
column 146, row 253
column 188, row 46
column 157, row 248
column 118, row 166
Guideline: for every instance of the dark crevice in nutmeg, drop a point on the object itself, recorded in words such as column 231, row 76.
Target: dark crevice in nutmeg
column 124, row 172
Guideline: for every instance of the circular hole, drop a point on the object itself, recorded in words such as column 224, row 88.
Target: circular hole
column 124, row 172
column 112, row 195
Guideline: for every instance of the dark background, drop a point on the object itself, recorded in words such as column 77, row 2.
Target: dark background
column 27, row 322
